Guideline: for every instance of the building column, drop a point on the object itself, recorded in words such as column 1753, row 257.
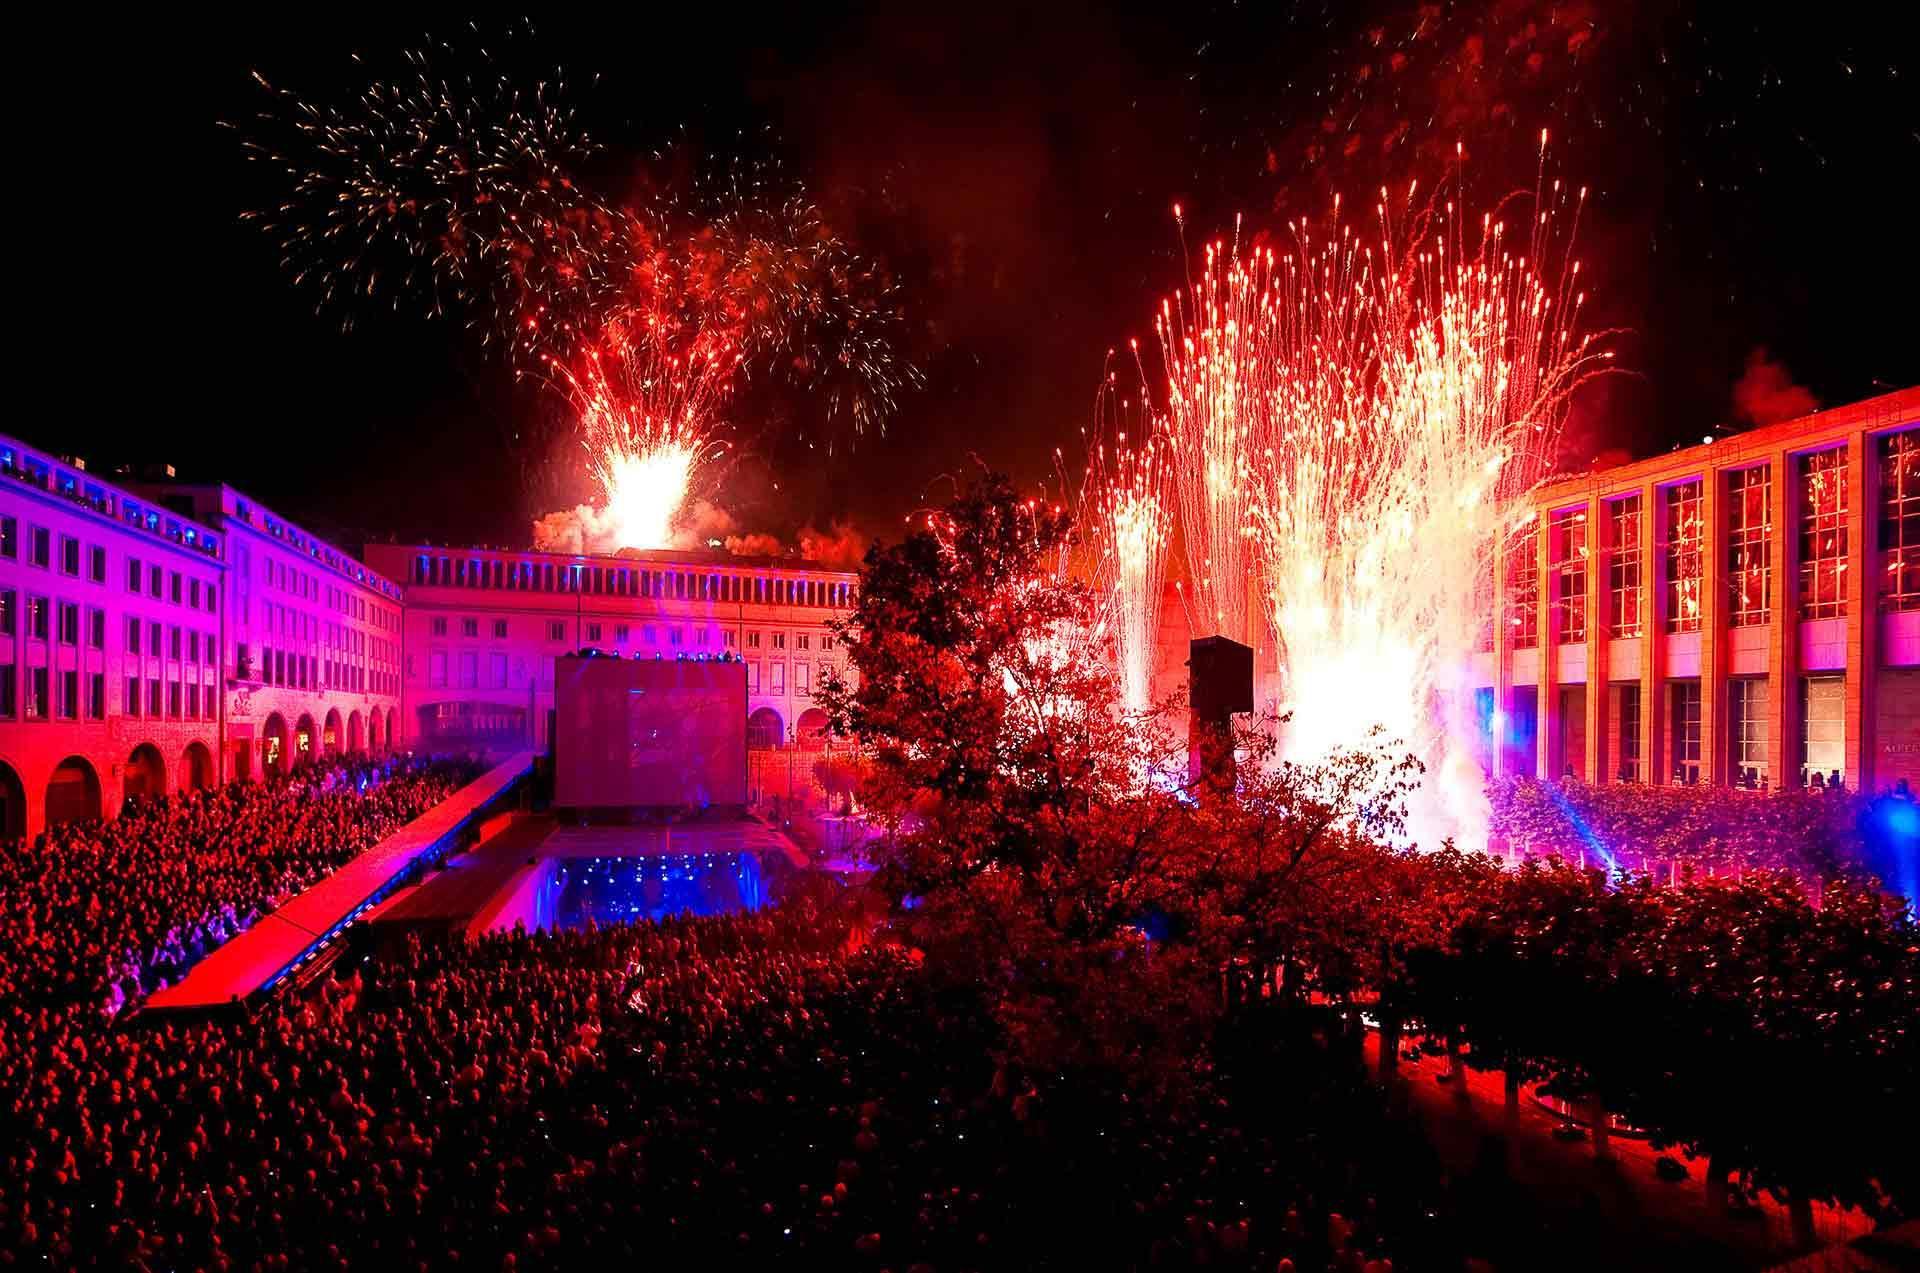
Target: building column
column 1598, row 758
column 1863, row 613
column 1783, row 629
column 1502, row 659
column 1546, row 694
column 1653, row 630
column 1713, row 645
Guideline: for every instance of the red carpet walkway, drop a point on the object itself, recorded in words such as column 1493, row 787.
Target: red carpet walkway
column 257, row 958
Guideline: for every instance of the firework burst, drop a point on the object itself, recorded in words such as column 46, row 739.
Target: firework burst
column 1358, row 417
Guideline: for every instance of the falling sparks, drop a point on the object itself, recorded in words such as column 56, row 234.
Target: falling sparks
column 647, row 407
column 1351, row 423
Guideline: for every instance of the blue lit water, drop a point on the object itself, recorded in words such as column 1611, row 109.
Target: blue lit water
column 628, row 889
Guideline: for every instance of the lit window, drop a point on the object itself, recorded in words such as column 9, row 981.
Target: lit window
column 1823, row 534
column 1625, row 596
column 1567, row 548
column 1686, row 536
column 1899, row 521
column 1523, row 589
column 1749, row 545
column 1747, row 708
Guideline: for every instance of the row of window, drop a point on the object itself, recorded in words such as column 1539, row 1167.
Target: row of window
column 293, row 669
column 595, row 632
column 629, row 581
column 1747, row 734
column 75, row 559
column 56, row 694
column 47, row 619
column 1748, row 500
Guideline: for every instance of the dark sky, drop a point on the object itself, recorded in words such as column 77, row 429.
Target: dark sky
column 1751, row 182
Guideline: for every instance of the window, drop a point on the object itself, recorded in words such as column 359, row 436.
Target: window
column 777, row 677
column 133, row 634
column 621, row 633
column 593, row 632
column 1749, row 545
column 9, row 538
column 753, row 676
column 1686, row 534
column 1823, row 727
column 1629, row 733
column 42, row 548
column 154, row 576
column 36, row 693
column 1685, row 730
column 1747, row 708
column 1523, row 589
column 9, row 688
column 37, row 618
column 69, row 555
column 674, row 635
column 97, row 565
column 70, row 695
column 173, row 643
column 1624, row 594
column 497, row 671
column 96, row 629
column 1823, row 534
column 779, row 640
column 1567, row 553
column 97, row 696
column 499, row 629
column 9, row 618
column 1899, row 521
column 753, row 638
column 556, row 630
column 132, row 700
column 469, row 627
column 69, row 623
column 440, row 627
column 242, row 662
column 437, row 669
column 133, row 574
column 173, row 699
column 469, row 670
column 729, row 638
column 826, row 642
column 801, row 670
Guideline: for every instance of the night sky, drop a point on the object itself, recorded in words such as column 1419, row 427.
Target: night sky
column 1752, row 223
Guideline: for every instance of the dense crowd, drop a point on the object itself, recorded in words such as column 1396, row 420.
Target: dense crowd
column 102, row 913
column 734, row 1090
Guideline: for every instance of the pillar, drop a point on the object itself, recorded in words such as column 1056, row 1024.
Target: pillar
column 1713, row 614
column 1863, row 612
column 1599, row 759
column 1653, row 631
column 1546, row 694
column 1783, row 628
column 1502, row 658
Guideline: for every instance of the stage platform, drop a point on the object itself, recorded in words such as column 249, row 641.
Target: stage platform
column 507, row 878
column 254, row 961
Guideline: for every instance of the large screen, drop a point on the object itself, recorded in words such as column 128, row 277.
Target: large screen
column 655, row 733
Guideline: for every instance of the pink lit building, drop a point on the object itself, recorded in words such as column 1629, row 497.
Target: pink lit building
column 1741, row 612
column 110, row 639
column 312, row 646
column 483, row 629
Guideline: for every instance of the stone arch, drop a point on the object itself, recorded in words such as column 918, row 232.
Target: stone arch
column 13, row 805
column 812, row 728
column 196, row 767
column 373, row 731
column 73, row 792
column 145, row 776
column 332, row 734
column 355, row 742
column 393, row 739
column 764, row 728
column 305, row 740
column 274, row 756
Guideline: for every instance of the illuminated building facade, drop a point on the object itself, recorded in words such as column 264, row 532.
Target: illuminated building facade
column 1745, row 612
column 110, row 637
column 483, row 628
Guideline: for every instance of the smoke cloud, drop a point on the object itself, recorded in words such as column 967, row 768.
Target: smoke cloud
column 586, row 529
column 1767, row 394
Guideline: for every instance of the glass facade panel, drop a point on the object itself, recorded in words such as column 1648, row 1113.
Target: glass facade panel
column 1823, row 729
column 1567, row 549
column 1523, row 588
column 1823, row 534
column 1749, row 545
column 1684, row 728
column 1748, row 701
column 1685, row 538
column 1899, row 541
column 1625, row 597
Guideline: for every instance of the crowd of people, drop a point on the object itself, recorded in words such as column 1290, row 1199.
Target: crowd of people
column 102, row 913
column 747, row 1089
